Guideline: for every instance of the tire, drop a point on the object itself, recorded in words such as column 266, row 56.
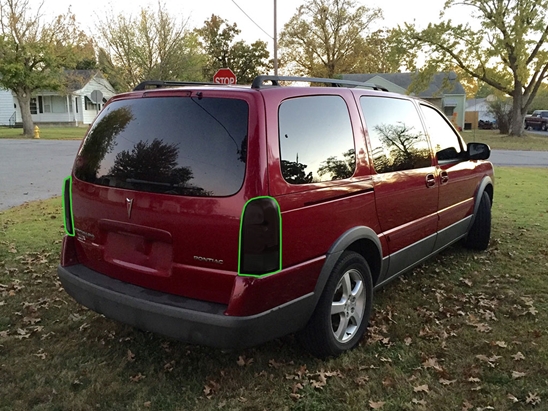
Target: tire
column 342, row 314
column 543, row 127
column 480, row 232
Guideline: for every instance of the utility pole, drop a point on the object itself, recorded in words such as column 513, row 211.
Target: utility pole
column 275, row 39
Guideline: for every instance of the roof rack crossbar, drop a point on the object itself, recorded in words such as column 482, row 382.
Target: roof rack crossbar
column 152, row 84
column 259, row 81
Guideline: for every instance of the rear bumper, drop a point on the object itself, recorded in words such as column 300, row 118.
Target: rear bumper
column 184, row 319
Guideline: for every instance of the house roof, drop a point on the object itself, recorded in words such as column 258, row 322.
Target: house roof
column 442, row 83
column 77, row 79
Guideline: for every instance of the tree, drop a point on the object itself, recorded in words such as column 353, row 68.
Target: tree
column 33, row 53
column 501, row 109
column 327, row 37
column 152, row 46
column 485, row 90
column 383, row 54
column 101, row 141
column 509, row 50
column 541, row 99
column 338, row 168
column 247, row 61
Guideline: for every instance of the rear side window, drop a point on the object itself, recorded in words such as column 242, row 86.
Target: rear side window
column 170, row 145
column 398, row 141
column 316, row 140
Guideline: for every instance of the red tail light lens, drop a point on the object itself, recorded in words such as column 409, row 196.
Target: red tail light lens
column 260, row 238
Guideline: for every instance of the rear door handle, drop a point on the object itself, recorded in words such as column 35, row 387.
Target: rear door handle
column 444, row 177
column 430, row 180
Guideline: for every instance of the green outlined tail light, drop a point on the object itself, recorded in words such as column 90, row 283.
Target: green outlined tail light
column 260, row 238
column 67, row 206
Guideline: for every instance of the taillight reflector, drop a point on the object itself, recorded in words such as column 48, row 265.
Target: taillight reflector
column 67, row 206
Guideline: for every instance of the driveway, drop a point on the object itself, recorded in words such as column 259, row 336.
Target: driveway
column 35, row 169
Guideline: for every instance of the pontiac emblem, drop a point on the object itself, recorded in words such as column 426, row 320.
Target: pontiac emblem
column 129, row 206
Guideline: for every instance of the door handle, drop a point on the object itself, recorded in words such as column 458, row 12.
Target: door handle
column 444, row 177
column 430, row 180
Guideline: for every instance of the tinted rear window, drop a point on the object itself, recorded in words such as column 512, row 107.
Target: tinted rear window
column 170, row 145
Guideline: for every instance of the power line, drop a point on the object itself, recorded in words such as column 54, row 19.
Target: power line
column 253, row 21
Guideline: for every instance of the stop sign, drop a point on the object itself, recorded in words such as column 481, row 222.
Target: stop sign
column 224, row 76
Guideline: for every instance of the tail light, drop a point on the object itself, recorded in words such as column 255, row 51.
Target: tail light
column 67, row 206
column 260, row 238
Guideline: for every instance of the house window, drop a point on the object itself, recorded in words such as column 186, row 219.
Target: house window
column 76, row 104
column 59, row 104
column 33, row 106
column 89, row 105
column 47, row 104
column 448, row 111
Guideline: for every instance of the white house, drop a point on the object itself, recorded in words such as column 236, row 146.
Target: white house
column 75, row 106
column 7, row 108
column 481, row 106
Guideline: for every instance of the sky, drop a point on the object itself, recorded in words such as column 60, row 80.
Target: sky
column 260, row 11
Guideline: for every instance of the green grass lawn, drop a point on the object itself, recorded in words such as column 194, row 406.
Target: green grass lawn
column 465, row 331
column 529, row 141
column 47, row 133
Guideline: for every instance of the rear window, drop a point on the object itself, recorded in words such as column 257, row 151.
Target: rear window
column 170, row 145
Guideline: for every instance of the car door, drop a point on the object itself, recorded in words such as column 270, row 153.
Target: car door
column 455, row 176
column 406, row 188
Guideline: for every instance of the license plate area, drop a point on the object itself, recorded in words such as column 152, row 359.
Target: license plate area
column 138, row 251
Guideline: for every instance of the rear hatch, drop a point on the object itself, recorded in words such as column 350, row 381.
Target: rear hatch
column 157, row 190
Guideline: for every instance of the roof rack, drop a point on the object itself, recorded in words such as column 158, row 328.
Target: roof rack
column 259, row 81
column 152, row 84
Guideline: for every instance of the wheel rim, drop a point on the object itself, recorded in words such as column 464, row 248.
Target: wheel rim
column 348, row 306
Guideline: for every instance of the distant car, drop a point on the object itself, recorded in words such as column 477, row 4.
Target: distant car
column 486, row 125
column 537, row 121
column 229, row 216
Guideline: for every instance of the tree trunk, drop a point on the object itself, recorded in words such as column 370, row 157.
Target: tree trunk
column 516, row 128
column 23, row 97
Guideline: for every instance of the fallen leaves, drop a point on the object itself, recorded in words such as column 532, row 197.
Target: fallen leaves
column 532, row 398
column 432, row 363
column 211, row 388
column 243, row 361
column 518, row 374
column 316, row 380
column 518, row 356
column 489, row 360
column 421, row 388
column 137, row 378
column 530, row 307
column 41, row 354
column 376, row 405
column 512, row 398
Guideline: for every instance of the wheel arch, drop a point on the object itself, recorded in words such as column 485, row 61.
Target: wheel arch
column 362, row 240
column 486, row 186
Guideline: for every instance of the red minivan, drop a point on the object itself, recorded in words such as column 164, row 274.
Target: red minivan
column 229, row 216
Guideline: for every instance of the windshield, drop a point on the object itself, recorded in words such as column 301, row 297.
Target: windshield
column 171, row 145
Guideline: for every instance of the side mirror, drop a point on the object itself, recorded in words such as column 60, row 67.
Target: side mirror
column 478, row 151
